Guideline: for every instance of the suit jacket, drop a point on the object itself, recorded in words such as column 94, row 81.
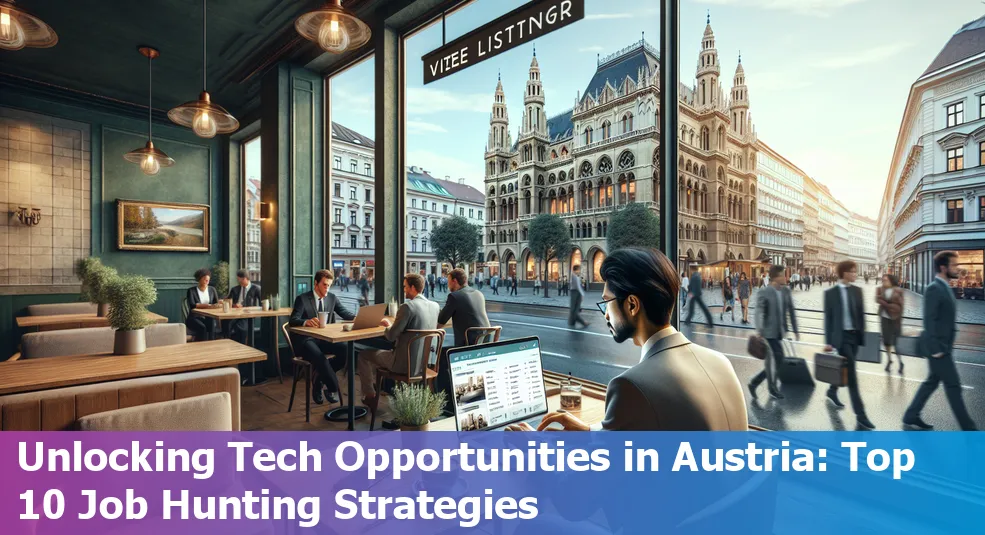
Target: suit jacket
column 192, row 296
column 678, row 386
column 415, row 314
column 467, row 308
column 306, row 308
column 695, row 285
column 939, row 314
column 251, row 299
column 893, row 306
column 834, row 315
column 769, row 322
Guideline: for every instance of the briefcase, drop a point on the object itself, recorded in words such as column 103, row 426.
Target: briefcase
column 870, row 352
column 909, row 346
column 830, row 368
column 794, row 371
column 758, row 347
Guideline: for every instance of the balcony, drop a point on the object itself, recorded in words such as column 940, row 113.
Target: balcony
column 642, row 132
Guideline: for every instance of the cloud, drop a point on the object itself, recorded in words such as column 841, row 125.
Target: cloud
column 814, row 8
column 608, row 16
column 356, row 102
column 864, row 57
column 594, row 48
column 440, row 166
column 420, row 127
column 777, row 81
column 421, row 100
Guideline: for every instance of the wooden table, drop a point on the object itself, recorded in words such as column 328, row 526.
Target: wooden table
column 250, row 314
column 73, row 321
column 56, row 372
column 333, row 333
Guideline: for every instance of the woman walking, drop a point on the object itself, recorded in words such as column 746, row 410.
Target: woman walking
column 890, row 299
column 745, row 289
column 728, row 299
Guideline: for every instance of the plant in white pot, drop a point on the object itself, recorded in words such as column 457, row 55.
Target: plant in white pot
column 95, row 277
column 415, row 406
column 129, row 296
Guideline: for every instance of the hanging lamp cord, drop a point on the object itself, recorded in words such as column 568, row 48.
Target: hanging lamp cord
column 150, row 96
column 205, row 44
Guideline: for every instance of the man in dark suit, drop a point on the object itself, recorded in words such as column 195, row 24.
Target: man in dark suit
column 244, row 294
column 677, row 385
column 466, row 308
column 695, row 291
column 844, row 332
column 305, row 313
column 937, row 344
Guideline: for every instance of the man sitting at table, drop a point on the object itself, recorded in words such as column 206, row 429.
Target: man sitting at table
column 416, row 313
column 244, row 294
column 305, row 314
column 677, row 385
column 466, row 308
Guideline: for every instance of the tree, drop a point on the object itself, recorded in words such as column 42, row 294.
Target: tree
column 456, row 241
column 633, row 226
column 549, row 239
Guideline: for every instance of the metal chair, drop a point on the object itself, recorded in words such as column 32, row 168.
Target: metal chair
column 483, row 335
column 402, row 349
column 301, row 368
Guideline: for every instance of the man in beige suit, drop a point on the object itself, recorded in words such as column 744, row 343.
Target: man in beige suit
column 416, row 313
column 677, row 385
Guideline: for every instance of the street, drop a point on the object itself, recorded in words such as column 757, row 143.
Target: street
column 590, row 353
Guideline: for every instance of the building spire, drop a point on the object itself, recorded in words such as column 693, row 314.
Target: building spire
column 499, row 72
column 740, row 57
column 535, row 50
column 708, row 19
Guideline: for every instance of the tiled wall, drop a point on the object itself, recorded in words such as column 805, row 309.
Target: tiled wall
column 44, row 163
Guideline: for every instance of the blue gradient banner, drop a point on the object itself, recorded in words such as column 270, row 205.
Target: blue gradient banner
column 497, row 482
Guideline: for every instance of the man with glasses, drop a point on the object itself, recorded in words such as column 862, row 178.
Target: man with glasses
column 677, row 385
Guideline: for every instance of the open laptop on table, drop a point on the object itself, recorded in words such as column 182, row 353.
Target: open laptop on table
column 495, row 385
column 368, row 317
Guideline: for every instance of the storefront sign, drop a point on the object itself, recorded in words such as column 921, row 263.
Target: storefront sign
column 338, row 264
column 522, row 25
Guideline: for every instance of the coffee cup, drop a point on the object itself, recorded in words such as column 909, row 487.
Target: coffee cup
column 225, row 305
column 265, row 304
column 322, row 319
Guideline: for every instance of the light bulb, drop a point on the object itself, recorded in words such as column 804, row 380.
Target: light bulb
column 11, row 32
column 149, row 166
column 332, row 37
column 203, row 124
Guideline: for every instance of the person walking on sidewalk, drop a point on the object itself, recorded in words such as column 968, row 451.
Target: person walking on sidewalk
column 774, row 306
column 844, row 332
column 890, row 299
column 695, row 291
column 937, row 343
column 745, row 290
column 537, row 285
column 728, row 299
column 574, row 312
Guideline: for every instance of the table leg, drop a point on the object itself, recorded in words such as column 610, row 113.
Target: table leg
column 352, row 412
column 252, row 342
column 275, row 329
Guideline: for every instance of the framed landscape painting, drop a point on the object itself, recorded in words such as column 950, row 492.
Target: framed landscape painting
column 158, row 226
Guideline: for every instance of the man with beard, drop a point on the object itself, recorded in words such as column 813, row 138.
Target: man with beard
column 677, row 385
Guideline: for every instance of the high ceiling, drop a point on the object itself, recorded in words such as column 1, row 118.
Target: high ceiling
column 97, row 47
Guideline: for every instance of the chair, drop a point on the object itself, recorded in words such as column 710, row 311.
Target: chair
column 91, row 340
column 301, row 368
column 402, row 349
column 184, row 318
column 483, row 335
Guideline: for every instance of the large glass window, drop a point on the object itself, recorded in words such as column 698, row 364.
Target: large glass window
column 251, row 232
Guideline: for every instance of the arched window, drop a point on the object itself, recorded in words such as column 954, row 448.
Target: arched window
column 606, row 129
column 627, row 123
column 605, row 165
column 588, row 135
column 627, row 160
column 586, row 168
column 605, row 229
column 598, row 229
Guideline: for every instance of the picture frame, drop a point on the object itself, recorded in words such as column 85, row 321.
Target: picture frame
column 163, row 226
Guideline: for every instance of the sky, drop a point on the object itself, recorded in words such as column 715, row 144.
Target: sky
column 828, row 79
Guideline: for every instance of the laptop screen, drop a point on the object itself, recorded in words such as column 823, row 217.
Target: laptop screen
column 497, row 384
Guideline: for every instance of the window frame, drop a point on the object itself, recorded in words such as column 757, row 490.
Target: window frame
column 953, row 155
column 957, row 114
column 954, row 214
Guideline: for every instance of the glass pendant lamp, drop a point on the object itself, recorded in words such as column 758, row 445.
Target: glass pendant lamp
column 333, row 28
column 203, row 116
column 150, row 159
column 20, row 29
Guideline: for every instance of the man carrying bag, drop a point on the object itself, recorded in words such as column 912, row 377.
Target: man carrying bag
column 773, row 306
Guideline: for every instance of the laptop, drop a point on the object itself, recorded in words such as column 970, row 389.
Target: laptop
column 498, row 384
column 369, row 317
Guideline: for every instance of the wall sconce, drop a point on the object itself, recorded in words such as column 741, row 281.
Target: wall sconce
column 264, row 211
column 28, row 216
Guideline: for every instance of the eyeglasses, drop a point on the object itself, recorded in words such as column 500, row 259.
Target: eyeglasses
column 604, row 305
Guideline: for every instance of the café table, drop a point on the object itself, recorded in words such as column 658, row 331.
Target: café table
column 73, row 321
column 250, row 314
column 334, row 333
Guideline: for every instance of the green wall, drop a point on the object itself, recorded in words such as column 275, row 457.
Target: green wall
column 196, row 177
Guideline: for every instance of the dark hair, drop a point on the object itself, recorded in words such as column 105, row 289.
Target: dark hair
column 844, row 266
column 204, row 272
column 742, row 274
column 242, row 274
column 458, row 275
column 942, row 259
column 647, row 274
column 893, row 279
column 322, row 274
column 776, row 270
column 415, row 281
column 576, row 268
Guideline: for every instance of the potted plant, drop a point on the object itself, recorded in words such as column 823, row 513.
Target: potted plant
column 129, row 296
column 95, row 277
column 415, row 406
column 220, row 278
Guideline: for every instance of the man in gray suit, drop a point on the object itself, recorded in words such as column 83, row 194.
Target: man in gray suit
column 416, row 313
column 774, row 305
column 695, row 293
column 465, row 306
column 677, row 385
column 937, row 344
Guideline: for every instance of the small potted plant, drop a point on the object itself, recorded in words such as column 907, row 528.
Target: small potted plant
column 129, row 296
column 415, row 406
column 95, row 277
column 220, row 278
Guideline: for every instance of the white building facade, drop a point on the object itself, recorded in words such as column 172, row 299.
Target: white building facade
column 862, row 248
column 351, row 232
column 780, row 220
column 429, row 202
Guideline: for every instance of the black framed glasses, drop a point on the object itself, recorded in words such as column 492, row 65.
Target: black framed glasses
column 604, row 305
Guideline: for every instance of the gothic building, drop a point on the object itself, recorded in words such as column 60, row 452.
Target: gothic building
column 599, row 156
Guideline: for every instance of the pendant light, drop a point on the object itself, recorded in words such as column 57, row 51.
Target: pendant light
column 19, row 29
column 203, row 116
column 333, row 28
column 148, row 157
